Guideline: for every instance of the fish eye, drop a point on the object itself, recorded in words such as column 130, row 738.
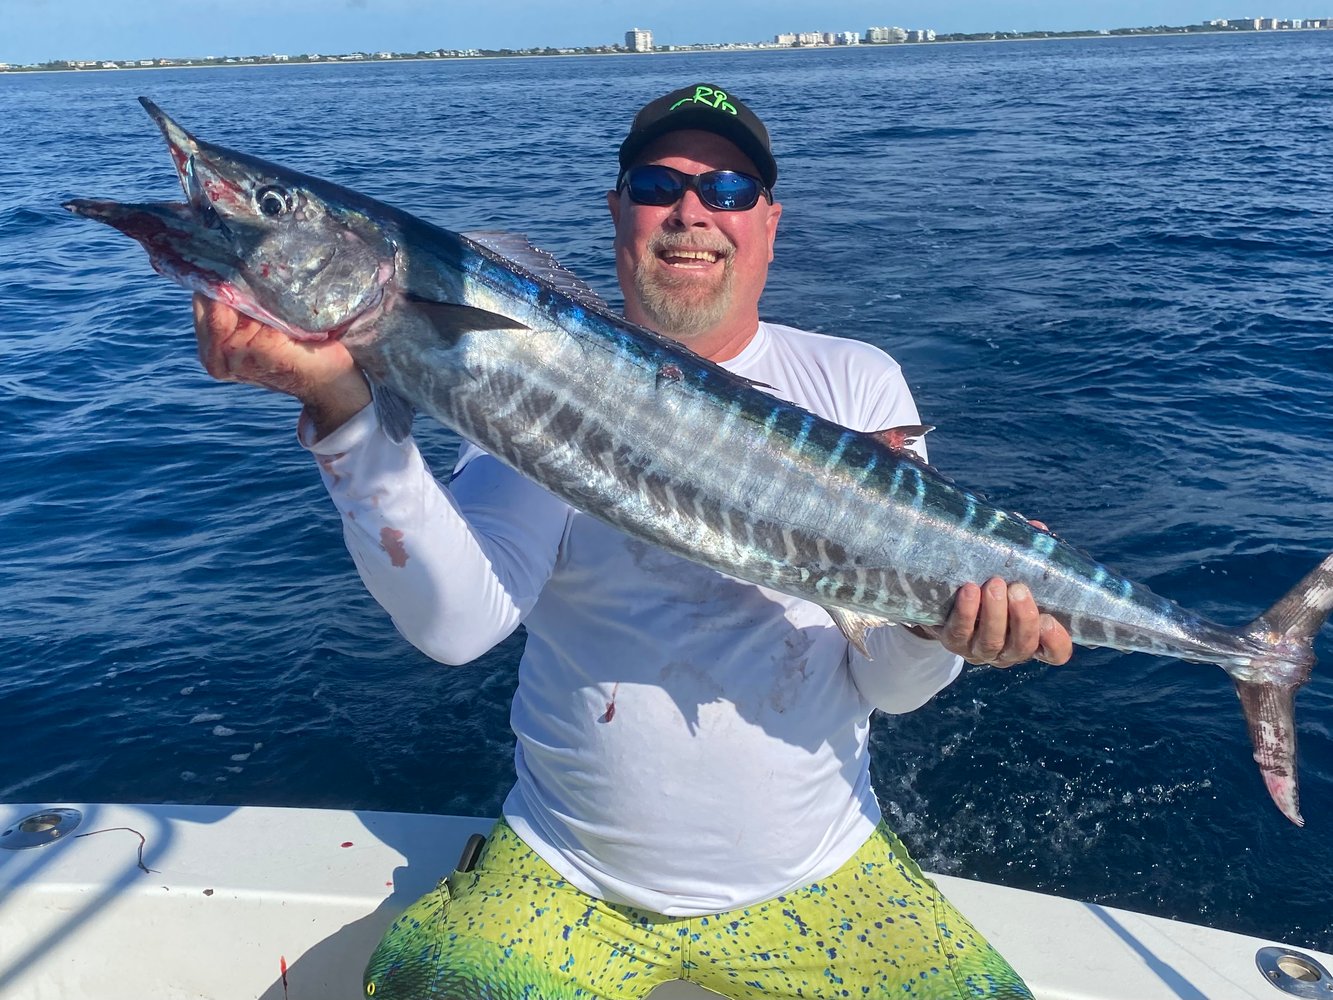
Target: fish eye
column 273, row 201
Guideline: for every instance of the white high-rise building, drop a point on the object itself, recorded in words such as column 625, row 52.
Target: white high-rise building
column 882, row 35
column 639, row 40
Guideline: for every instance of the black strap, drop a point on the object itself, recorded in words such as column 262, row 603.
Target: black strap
column 471, row 852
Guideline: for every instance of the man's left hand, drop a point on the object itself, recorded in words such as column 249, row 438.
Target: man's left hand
column 999, row 624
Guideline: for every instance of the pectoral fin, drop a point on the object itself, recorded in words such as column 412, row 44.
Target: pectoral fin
column 394, row 412
column 451, row 321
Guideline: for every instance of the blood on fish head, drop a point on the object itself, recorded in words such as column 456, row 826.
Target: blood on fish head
column 310, row 262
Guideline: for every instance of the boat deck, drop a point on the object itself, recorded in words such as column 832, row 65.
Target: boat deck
column 232, row 897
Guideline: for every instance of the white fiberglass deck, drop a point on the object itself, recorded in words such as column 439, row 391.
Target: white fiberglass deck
column 236, row 894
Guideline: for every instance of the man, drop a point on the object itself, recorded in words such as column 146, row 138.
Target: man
column 693, row 796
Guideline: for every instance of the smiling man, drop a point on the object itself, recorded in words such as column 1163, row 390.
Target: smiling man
column 697, row 263
column 693, row 795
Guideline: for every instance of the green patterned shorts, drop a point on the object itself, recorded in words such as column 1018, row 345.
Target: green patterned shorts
column 512, row 928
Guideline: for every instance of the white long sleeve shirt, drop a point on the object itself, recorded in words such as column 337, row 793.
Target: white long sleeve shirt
column 686, row 743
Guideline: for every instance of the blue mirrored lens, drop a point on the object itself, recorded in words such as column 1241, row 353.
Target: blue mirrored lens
column 725, row 190
column 655, row 185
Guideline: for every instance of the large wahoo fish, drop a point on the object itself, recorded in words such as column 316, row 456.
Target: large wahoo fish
column 497, row 341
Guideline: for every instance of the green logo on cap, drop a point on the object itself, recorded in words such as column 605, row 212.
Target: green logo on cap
column 708, row 97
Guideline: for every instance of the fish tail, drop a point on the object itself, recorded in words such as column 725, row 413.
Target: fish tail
column 1267, row 693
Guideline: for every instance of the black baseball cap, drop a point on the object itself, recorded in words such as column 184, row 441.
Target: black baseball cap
column 707, row 107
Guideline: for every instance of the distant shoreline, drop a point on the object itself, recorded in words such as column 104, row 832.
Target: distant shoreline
column 233, row 62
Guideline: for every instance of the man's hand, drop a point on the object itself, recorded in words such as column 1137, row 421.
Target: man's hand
column 999, row 624
column 323, row 376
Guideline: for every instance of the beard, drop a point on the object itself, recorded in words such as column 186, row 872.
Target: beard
column 682, row 304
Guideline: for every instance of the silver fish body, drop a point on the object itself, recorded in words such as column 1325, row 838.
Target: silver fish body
column 495, row 340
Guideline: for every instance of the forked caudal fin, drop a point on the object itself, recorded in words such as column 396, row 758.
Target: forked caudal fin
column 1267, row 695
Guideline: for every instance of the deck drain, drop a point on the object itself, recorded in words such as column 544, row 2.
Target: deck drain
column 40, row 829
column 1295, row 973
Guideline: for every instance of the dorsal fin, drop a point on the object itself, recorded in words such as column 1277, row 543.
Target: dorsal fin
column 517, row 249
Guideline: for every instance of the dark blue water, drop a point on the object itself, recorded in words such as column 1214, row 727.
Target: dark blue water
column 1107, row 267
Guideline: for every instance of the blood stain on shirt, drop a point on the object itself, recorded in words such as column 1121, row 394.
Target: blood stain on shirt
column 391, row 541
column 326, row 463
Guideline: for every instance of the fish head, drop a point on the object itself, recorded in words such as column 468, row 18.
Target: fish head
column 292, row 251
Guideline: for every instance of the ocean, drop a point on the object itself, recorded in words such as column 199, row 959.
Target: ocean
column 1106, row 266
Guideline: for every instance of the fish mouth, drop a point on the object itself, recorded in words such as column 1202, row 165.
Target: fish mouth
column 178, row 246
column 202, row 177
column 183, row 247
column 183, row 148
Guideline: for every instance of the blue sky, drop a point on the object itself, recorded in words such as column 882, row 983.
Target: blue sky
column 41, row 30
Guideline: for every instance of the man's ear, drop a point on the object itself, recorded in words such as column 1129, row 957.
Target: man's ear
column 774, row 213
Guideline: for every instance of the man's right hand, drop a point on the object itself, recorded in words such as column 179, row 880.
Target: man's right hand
column 235, row 348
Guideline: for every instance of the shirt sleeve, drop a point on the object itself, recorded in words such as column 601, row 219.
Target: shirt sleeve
column 905, row 671
column 457, row 568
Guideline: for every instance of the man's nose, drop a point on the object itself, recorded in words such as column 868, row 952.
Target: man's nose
column 689, row 211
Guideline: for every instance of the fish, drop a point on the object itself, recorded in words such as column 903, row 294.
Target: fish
column 492, row 337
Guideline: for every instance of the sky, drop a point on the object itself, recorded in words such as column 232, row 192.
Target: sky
column 33, row 31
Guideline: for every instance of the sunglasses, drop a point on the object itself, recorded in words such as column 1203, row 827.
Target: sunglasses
column 723, row 190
